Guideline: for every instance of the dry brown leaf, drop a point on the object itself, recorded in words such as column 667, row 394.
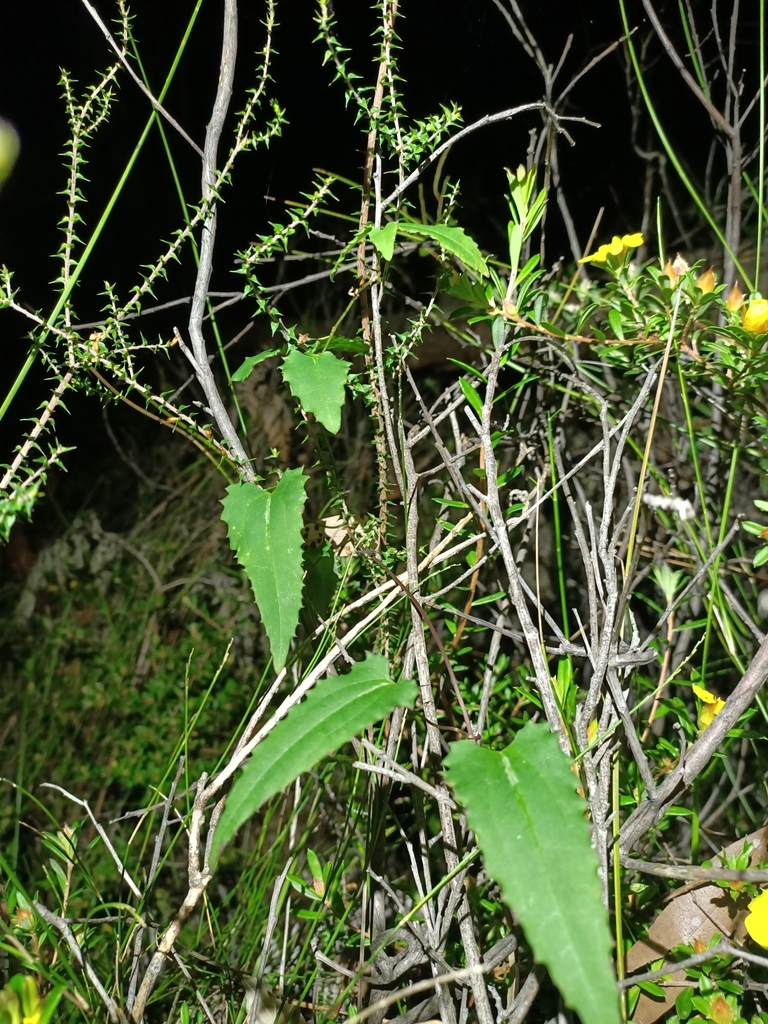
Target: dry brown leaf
column 344, row 537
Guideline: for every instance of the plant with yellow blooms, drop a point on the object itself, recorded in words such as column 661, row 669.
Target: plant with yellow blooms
column 613, row 252
column 20, row 1001
column 756, row 921
column 709, row 706
column 755, row 318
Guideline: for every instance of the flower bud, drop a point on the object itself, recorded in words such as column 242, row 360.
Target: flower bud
column 720, row 1010
column 735, row 299
column 680, row 266
column 669, row 271
column 707, row 281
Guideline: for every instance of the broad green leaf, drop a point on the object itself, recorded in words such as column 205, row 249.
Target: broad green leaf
column 453, row 240
column 244, row 371
column 384, row 239
column 318, row 383
column 523, row 807
column 335, row 711
column 265, row 534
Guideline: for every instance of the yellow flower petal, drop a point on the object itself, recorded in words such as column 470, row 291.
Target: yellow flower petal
column 755, row 318
column 711, row 705
column 705, row 695
column 756, row 921
column 616, row 247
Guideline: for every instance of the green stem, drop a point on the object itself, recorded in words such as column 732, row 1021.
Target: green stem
column 617, row 883
column 195, row 250
column 694, row 453
column 714, row 594
column 761, row 145
column 673, row 158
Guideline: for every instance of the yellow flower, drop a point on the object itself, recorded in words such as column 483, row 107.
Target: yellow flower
column 710, row 706
column 616, row 247
column 756, row 921
column 755, row 319
column 734, row 300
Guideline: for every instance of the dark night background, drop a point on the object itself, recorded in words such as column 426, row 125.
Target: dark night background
column 453, row 50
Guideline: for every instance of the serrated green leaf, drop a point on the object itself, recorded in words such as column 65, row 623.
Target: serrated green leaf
column 318, row 380
column 265, row 534
column 469, row 292
column 522, row 805
column 454, row 240
column 761, row 504
column 334, row 712
column 245, row 369
column 384, row 239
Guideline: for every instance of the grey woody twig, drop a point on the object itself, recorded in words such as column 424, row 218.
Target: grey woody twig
column 694, row 873
column 699, row 755
column 114, row 1012
column 723, row 948
column 120, row 52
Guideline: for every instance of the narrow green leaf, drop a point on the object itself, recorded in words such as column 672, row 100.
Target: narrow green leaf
column 471, row 396
column 50, row 1003
column 515, row 245
column 453, row 240
column 335, row 710
column 614, row 319
column 756, row 529
column 244, row 371
column 523, row 807
column 468, row 369
column 318, row 380
column 558, row 332
column 354, row 345
column 265, row 534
